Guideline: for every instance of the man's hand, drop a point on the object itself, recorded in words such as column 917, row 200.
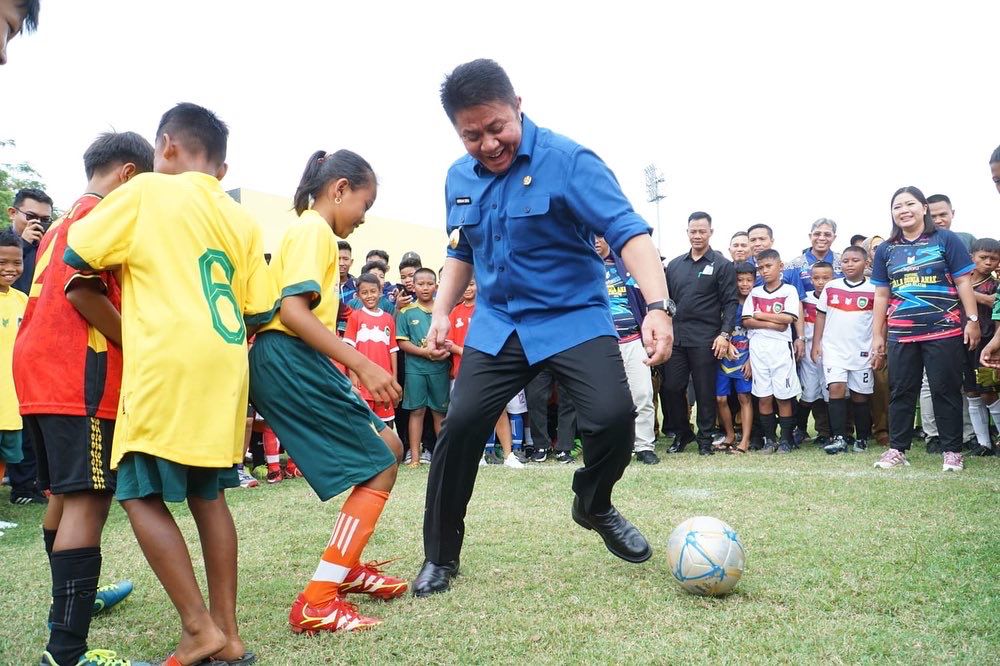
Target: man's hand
column 33, row 233
column 815, row 354
column 972, row 334
column 657, row 336
column 384, row 388
column 437, row 335
column 800, row 348
column 878, row 352
column 720, row 346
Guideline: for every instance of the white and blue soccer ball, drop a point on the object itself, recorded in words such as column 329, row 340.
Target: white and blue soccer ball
column 705, row 556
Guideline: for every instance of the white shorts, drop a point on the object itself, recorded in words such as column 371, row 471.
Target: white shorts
column 518, row 404
column 811, row 378
column 772, row 363
column 858, row 381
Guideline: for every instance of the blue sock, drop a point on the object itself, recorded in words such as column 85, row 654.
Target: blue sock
column 517, row 431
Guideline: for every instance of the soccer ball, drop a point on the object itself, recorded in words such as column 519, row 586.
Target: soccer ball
column 705, row 556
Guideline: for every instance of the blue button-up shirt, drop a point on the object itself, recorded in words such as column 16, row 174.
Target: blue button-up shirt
column 529, row 233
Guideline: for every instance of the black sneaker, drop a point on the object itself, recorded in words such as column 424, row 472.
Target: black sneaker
column 647, row 458
column 519, row 455
column 769, row 447
column 933, row 444
column 540, row 455
column 33, row 497
column 970, row 444
column 837, row 445
column 784, row 446
column 756, row 443
column 859, row 445
column 820, row 441
column 982, row 452
column 565, row 457
column 493, row 457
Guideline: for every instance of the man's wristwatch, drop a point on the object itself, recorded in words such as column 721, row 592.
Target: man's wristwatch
column 974, row 318
column 666, row 305
column 725, row 335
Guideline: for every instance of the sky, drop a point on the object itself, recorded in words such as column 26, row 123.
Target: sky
column 775, row 112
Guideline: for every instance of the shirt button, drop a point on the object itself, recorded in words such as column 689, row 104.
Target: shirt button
column 462, row 220
column 496, row 237
column 501, row 269
column 527, row 209
column 493, row 206
column 509, row 297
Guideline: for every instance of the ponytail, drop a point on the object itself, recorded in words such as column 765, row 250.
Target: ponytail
column 323, row 168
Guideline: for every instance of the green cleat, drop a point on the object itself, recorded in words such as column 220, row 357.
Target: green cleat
column 109, row 596
column 95, row 658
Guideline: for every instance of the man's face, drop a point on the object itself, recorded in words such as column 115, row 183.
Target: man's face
column 699, row 233
column 11, row 265
column 995, row 171
column 941, row 214
column 760, row 240
column 739, row 248
column 12, row 13
column 30, row 212
column 821, row 238
column 601, row 246
column 344, row 262
column 491, row 133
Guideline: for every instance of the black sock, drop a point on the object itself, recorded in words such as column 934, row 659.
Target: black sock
column 862, row 419
column 787, row 426
column 49, row 537
column 769, row 424
column 74, row 584
column 838, row 416
column 802, row 415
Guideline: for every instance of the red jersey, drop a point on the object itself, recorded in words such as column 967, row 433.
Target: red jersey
column 373, row 333
column 460, row 317
column 63, row 365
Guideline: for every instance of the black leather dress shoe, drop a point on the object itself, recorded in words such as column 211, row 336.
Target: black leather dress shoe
column 705, row 450
column 620, row 536
column 680, row 443
column 434, row 578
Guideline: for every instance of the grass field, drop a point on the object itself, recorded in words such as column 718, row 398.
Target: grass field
column 845, row 564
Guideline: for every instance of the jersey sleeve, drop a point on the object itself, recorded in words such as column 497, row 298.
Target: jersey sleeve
column 305, row 258
column 821, row 302
column 402, row 328
column 393, row 345
column 260, row 301
column 794, row 304
column 748, row 307
column 880, row 269
column 351, row 332
column 957, row 257
column 103, row 238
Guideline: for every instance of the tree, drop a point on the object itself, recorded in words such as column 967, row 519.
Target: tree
column 14, row 177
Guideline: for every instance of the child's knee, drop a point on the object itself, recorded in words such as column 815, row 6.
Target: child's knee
column 394, row 443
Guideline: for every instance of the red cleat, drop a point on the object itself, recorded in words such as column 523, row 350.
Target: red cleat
column 338, row 615
column 369, row 579
column 275, row 475
column 292, row 470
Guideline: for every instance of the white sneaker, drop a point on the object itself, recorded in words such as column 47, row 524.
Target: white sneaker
column 952, row 462
column 482, row 461
column 512, row 462
column 247, row 480
column 425, row 458
column 408, row 458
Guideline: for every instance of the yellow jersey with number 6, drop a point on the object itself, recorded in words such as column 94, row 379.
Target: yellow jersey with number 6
column 193, row 278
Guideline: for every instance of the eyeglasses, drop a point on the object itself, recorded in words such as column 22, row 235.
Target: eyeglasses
column 34, row 217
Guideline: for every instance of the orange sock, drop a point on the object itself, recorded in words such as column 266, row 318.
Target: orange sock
column 354, row 526
column 270, row 442
column 3, row 468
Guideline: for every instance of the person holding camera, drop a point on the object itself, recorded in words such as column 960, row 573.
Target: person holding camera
column 31, row 216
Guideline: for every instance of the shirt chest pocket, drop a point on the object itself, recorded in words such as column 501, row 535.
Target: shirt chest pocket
column 466, row 219
column 527, row 225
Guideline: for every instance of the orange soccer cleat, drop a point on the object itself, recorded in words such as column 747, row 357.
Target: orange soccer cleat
column 369, row 579
column 338, row 615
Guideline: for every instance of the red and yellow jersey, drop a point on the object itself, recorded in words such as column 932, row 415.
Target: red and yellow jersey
column 12, row 304
column 63, row 365
column 460, row 318
column 193, row 278
column 374, row 335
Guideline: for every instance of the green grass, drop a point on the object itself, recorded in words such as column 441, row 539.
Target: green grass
column 845, row 564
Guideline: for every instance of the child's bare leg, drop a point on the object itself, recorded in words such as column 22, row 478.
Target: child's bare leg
column 163, row 545
column 416, row 433
column 725, row 418
column 219, row 549
column 746, row 419
column 82, row 520
column 504, row 435
column 438, row 419
column 53, row 513
column 386, row 479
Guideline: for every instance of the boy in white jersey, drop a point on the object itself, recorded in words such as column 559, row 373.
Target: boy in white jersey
column 843, row 339
column 769, row 312
column 814, row 393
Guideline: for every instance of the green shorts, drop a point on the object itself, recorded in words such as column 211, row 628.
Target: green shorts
column 10, row 446
column 142, row 475
column 328, row 430
column 430, row 391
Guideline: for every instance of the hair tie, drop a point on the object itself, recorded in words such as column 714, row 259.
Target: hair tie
column 320, row 160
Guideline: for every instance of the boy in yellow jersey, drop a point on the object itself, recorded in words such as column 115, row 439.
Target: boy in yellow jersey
column 12, row 304
column 336, row 439
column 193, row 282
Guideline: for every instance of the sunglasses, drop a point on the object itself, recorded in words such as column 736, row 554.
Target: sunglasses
column 34, row 217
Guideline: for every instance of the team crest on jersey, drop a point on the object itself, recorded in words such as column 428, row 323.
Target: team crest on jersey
column 862, row 302
column 777, row 308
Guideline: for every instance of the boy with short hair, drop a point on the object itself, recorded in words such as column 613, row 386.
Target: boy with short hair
column 426, row 370
column 186, row 348
column 735, row 372
column 843, row 338
column 348, row 284
column 378, row 269
column 68, row 366
column 372, row 331
column 980, row 382
column 814, row 392
column 12, row 305
column 768, row 314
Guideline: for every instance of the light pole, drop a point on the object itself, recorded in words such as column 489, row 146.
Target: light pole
column 653, row 196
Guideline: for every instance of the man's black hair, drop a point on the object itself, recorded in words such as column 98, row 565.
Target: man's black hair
column 761, row 225
column 198, row 129
column 700, row 215
column 9, row 238
column 768, row 254
column 381, row 254
column 743, row 267
column 428, row 271
column 344, row 245
column 858, row 238
column 375, row 263
column 369, row 278
column 819, row 264
column 31, row 9
column 938, row 198
column 478, row 82
column 990, row 245
column 410, row 262
column 33, row 194
column 738, row 233
column 115, row 149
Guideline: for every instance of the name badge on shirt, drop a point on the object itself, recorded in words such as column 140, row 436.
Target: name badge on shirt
column 708, row 270
column 463, row 201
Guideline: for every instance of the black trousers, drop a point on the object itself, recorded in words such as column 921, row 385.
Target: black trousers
column 944, row 361
column 701, row 365
column 538, row 392
column 591, row 374
column 24, row 475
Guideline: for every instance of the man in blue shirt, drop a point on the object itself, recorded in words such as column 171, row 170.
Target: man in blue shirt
column 522, row 210
column 822, row 234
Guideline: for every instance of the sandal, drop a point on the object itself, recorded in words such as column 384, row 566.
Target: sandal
column 723, row 447
column 736, row 450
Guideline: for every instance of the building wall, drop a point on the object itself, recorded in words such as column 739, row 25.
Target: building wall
column 275, row 214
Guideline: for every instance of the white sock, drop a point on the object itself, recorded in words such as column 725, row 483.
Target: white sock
column 980, row 419
column 995, row 412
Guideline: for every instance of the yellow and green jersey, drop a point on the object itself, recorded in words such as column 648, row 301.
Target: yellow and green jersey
column 306, row 264
column 12, row 304
column 193, row 280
